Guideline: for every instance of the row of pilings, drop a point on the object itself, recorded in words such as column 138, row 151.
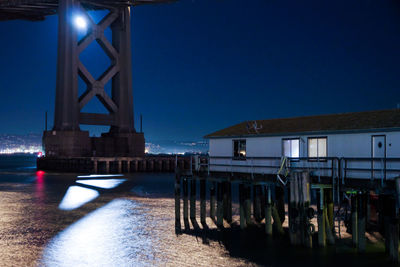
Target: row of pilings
column 264, row 202
column 107, row 165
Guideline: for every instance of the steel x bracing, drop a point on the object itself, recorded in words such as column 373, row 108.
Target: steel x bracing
column 68, row 106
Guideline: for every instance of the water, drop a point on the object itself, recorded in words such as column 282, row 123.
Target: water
column 65, row 220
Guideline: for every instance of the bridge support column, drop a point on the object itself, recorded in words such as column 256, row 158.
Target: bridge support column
column 66, row 139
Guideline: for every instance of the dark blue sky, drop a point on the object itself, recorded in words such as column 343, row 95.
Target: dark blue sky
column 199, row 66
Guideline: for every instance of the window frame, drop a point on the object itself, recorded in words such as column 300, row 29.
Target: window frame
column 320, row 159
column 233, row 149
column 283, row 148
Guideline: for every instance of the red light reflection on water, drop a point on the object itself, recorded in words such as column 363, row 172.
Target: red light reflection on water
column 40, row 187
column 40, row 176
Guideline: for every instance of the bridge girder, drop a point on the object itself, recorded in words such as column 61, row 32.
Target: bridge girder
column 35, row 10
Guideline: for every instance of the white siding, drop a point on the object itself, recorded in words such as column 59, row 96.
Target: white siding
column 354, row 145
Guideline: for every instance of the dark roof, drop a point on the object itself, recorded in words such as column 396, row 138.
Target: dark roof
column 39, row 9
column 368, row 120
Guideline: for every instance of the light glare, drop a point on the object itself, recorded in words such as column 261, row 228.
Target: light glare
column 80, row 22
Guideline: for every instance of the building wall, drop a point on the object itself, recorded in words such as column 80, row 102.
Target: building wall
column 352, row 145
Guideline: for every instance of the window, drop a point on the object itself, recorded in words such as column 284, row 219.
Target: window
column 291, row 148
column 239, row 149
column 317, row 147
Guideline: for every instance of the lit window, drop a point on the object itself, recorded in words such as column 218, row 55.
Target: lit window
column 291, row 148
column 317, row 147
column 239, row 149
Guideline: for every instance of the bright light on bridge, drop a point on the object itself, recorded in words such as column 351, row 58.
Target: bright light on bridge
column 80, row 22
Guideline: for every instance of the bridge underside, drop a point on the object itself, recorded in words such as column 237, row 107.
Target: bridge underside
column 66, row 139
column 39, row 9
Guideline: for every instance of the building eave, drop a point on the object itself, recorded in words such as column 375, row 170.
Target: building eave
column 355, row 131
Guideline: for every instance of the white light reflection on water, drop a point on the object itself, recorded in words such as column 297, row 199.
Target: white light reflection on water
column 102, row 183
column 113, row 235
column 100, row 175
column 76, row 196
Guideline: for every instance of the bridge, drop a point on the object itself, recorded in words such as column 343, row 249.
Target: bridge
column 66, row 139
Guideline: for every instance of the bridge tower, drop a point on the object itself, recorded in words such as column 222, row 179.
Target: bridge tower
column 66, row 138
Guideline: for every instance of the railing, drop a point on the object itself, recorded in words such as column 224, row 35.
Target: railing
column 337, row 168
column 370, row 168
column 271, row 165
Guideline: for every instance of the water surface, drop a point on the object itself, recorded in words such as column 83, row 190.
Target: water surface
column 128, row 220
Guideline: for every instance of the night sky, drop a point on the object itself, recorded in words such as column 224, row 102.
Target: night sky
column 199, row 66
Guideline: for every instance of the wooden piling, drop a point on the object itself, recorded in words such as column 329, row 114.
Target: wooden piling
column 305, row 205
column 292, row 209
column 166, row 165
column 321, row 218
column 280, row 203
column 257, row 203
column 361, row 222
column 328, row 214
column 277, row 225
column 220, row 208
column 128, row 166
column 193, row 199
column 228, row 202
column 391, row 228
column 242, row 206
column 395, row 223
column 247, row 203
column 185, row 200
column 151, row 165
column 107, row 166
column 160, row 165
column 329, row 206
column 144, row 165
column 119, row 166
column 329, row 233
column 225, row 200
column 95, row 167
column 212, row 200
column 203, row 201
column 394, row 240
column 177, row 201
column 354, row 220
column 268, row 211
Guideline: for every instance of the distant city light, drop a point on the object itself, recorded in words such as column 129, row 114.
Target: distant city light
column 80, row 22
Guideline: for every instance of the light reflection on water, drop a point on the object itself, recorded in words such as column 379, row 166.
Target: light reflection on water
column 99, row 175
column 102, row 183
column 77, row 196
column 113, row 235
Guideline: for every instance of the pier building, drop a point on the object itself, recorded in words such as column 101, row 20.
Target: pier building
column 320, row 174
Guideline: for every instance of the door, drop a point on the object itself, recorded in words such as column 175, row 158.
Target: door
column 378, row 156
